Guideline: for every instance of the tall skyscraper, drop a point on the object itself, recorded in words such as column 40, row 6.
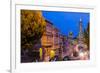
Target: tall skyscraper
column 80, row 37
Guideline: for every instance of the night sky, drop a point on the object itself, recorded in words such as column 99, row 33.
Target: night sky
column 67, row 21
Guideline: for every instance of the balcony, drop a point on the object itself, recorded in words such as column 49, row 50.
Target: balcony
column 47, row 44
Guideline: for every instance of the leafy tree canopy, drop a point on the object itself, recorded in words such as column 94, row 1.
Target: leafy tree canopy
column 32, row 27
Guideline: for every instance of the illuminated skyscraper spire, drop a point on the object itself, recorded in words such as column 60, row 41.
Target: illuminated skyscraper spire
column 80, row 31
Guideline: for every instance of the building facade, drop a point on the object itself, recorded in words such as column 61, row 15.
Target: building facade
column 52, row 40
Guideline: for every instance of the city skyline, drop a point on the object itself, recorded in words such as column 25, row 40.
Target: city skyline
column 67, row 21
column 48, row 36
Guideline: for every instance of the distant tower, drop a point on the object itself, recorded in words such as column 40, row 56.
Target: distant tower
column 80, row 37
column 70, row 37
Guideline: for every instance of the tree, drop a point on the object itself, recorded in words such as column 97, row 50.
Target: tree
column 32, row 27
column 86, row 35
